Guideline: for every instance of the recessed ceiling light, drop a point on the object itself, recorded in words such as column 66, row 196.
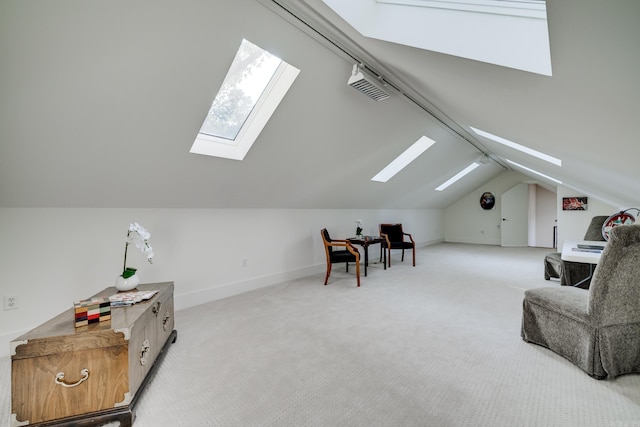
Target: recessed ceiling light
column 409, row 155
column 457, row 176
column 518, row 147
column 533, row 171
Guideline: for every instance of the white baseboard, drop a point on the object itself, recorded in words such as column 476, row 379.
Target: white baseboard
column 466, row 239
column 191, row 299
column 429, row 242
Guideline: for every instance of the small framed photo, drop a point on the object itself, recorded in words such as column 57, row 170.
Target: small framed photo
column 574, row 204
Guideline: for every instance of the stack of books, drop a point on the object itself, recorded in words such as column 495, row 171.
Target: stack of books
column 124, row 299
column 589, row 248
column 91, row 311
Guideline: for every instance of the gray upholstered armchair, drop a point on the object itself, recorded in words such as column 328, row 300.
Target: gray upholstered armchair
column 569, row 272
column 596, row 329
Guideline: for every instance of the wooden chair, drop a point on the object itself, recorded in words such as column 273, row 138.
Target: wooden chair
column 394, row 239
column 346, row 255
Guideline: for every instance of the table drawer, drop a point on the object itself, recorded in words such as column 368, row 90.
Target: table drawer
column 67, row 384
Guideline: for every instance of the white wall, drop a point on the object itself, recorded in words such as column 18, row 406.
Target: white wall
column 52, row 257
column 467, row 222
column 573, row 224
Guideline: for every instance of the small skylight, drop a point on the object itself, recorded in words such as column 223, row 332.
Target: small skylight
column 518, row 147
column 458, row 176
column 400, row 162
column 533, row 171
column 252, row 90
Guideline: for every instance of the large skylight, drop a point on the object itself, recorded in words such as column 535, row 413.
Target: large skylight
column 406, row 157
column 252, row 90
column 504, row 32
column 457, row 176
column 516, row 146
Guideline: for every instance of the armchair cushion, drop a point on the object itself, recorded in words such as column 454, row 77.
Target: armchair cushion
column 342, row 256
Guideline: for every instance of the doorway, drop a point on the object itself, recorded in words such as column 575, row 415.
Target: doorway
column 528, row 216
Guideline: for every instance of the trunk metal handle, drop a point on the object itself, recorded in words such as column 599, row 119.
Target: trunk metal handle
column 60, row 379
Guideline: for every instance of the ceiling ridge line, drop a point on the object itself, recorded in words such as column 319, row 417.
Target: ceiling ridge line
column 365, row 64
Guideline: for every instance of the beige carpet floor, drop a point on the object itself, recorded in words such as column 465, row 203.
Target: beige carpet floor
column 434, row 345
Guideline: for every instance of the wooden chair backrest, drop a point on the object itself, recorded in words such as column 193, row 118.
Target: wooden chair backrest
column 326, row 239
column 393, row 231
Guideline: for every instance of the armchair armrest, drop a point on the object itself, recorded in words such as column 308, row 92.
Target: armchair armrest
column 353, row 251
column 410, row 237
column 344, row 244
column 386, row 238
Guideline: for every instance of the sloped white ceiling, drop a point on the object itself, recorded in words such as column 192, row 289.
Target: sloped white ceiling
column 100, row 103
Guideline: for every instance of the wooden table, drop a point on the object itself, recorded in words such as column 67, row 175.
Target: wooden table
column 365, row 243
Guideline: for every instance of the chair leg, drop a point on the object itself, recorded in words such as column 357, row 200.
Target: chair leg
column 326, row 279
column 358, row 273
column 389, row 256
column 414, row 256
column 347, row 266
column 403, row 255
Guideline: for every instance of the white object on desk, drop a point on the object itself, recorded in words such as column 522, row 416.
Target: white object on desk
column 571, row 252
column 586, row 255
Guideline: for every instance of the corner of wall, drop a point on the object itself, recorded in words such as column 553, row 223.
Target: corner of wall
column 467, row 222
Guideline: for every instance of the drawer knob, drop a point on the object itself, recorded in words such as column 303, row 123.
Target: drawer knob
column 60, row 378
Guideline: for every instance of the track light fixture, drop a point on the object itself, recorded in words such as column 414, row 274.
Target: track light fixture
column 366, row 84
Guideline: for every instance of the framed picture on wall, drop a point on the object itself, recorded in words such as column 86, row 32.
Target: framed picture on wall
column 487, row 200
column 574, row 204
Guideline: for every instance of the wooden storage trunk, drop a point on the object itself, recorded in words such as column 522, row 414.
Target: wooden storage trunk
column 63, row 375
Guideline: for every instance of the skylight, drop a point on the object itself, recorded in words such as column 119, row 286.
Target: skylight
column 503, row 32
column 533, row 171
column 252, row 90
column 457, row 176
column 518, row 147
column 406, row 157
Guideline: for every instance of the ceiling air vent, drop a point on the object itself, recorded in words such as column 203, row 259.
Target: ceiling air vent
column 366, row 85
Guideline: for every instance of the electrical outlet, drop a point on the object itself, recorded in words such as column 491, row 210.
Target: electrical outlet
column 10, row 302
column 244, row 262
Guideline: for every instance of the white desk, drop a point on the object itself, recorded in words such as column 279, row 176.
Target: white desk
column 571, row 252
